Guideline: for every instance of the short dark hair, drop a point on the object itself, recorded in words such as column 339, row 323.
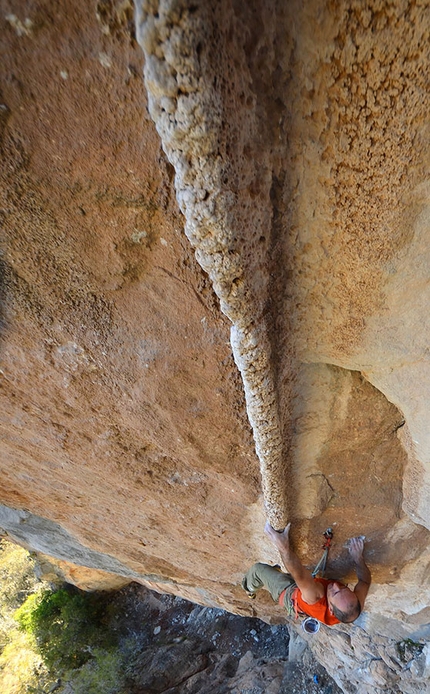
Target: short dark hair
column 349, row 615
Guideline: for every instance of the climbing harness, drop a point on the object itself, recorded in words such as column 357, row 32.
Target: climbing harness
column 320, row 567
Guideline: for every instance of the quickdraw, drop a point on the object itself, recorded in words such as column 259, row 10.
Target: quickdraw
column 321, row 566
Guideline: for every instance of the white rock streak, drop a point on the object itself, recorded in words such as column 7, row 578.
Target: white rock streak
column 188, row 107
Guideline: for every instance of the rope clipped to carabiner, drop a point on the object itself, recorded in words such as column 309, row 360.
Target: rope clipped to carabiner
column 320, row 567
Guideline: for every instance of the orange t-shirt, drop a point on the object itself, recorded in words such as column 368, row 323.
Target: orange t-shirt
column 320, row 610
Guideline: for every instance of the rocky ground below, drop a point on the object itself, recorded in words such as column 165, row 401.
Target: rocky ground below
column 181, row 648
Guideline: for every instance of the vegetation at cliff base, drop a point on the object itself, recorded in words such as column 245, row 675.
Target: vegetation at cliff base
column 67, row 625
column 49, row 637
column 21, row 665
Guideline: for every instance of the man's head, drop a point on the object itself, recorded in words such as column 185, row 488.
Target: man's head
column 343, row 603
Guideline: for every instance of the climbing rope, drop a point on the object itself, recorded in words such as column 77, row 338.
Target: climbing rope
column 320, row 567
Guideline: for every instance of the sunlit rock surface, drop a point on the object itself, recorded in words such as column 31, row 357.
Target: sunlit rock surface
column 251, row 251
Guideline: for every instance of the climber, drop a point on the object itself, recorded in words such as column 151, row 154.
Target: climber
column 329, row 601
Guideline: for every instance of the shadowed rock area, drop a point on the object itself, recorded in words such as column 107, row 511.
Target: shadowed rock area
column 171, row 646
column 214, row 294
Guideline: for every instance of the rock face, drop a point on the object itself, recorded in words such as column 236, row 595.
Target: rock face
column 135, row 356
column 123, row 414
column 275, row 136
column 275, row 120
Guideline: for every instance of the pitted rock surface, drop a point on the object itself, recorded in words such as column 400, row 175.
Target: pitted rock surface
column 296, row 161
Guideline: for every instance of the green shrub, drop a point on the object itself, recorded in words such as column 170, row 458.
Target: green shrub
column 17, row 581
column 24, row 614
column 46, row 635
column 67, row 626
column 104, row 673
column 21, row 665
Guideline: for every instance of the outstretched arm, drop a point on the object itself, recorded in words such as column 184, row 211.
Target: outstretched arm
column 356, row 549
column 311, row 590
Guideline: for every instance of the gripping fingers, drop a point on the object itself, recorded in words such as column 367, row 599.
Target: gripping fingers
column 356, row 545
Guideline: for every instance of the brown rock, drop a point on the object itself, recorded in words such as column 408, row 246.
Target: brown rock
column 297, row 141
column 123, row 415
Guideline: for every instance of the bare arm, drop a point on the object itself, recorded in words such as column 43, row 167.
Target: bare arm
column 311, row 590
column 356, row 548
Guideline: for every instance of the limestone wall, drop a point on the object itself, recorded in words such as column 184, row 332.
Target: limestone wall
column 226, row 225
column 299, row 175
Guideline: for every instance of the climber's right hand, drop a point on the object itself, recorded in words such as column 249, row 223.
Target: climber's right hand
column 280, row 538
